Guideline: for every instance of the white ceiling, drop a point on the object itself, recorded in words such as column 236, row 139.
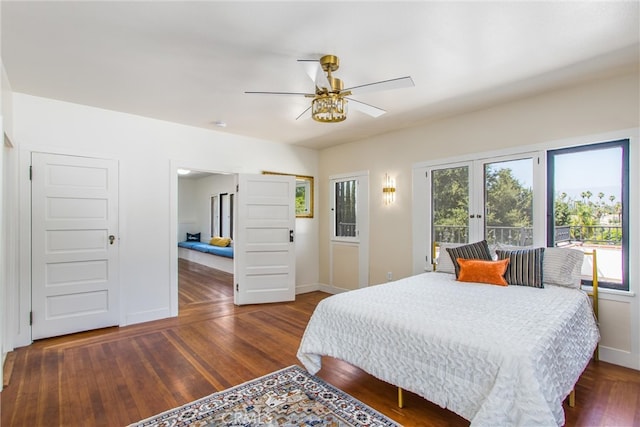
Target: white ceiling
column 191, row 62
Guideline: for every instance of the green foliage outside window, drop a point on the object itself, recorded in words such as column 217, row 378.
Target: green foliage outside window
column 450, row 190
column 508, row 203
column 301, row 197
column 590, row 218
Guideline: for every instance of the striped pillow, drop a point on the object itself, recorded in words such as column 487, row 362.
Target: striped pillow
column 525, row 267
column 478, row 250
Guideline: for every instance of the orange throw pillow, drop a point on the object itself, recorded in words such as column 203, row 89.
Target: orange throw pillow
column 481, row 271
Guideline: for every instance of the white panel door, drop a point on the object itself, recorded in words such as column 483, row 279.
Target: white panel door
column 264, row 243
column 74, row 244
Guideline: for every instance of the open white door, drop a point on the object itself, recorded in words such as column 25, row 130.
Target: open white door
column 264, row 239
column 74, row 220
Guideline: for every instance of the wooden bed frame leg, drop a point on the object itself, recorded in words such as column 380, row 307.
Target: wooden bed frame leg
column 572, row 398
column 400, row 398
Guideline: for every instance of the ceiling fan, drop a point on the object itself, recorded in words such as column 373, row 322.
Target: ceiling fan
column 330, row 99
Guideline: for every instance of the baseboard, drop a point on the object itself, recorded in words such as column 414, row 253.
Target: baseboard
column 311, row 287
column 332, row 289
column 303, row 289
column 147, row 316
column 7, row 367
column 620, row 357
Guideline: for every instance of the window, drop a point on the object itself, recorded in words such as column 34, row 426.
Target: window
column 231, row 207
column 304, row 194
column 484, row 199
column 304, row 197
column 215, row 216
column 588, row 205
column 450, row 204
column 508, row 202
column 221, row 215
column 226, row 215
column 345, row 208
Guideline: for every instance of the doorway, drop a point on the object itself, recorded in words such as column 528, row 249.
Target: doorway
column 349, row 222
column 264, row 220
column 205, row 209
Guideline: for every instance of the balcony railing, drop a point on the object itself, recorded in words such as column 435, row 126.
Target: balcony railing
column 595, row 234
column 523, row 236
column 346, row 229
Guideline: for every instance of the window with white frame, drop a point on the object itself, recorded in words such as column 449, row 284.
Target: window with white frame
column 349, row 225
column 483, row 199
column 221, row 215
column 215, row 216
column 345, row 208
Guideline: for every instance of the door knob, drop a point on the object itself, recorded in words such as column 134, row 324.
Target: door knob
column 111, row 239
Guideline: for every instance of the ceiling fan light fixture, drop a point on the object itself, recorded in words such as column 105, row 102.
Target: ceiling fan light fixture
column 329, row 103
column 329, row 108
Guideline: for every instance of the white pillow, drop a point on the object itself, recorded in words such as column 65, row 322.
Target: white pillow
column 444, row 264
column 562, row 266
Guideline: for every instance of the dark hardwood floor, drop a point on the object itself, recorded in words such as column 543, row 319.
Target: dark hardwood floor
column 116, row 376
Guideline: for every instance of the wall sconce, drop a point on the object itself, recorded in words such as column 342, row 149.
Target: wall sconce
column 388, row 190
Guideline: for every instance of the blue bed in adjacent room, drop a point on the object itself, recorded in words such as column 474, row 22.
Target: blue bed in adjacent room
column 218, row 257
column 226, row 251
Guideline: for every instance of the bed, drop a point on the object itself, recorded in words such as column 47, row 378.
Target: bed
column 214, row 256
column 495, row 355
column 224, row 251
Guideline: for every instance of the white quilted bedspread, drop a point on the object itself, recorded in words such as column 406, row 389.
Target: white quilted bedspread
column 497, row 356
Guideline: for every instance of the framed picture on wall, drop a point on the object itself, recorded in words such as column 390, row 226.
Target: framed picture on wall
column 304, row 194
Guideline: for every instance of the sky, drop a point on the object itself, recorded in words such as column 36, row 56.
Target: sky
column 595, row 171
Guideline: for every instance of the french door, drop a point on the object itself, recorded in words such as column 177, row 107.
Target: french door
column 349, row 239
column 490, row 199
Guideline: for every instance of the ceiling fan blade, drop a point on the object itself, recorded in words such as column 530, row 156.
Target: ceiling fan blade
column 279, row 93
column 398, row 83
column 365, row 108
column 315, row 72
column 304, row 112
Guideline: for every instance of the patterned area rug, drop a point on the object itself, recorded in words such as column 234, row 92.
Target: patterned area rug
column 289, row 397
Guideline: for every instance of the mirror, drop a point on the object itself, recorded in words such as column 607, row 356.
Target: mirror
column 304, row 194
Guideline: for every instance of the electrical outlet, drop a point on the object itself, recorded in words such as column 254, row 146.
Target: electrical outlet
column 389, row 276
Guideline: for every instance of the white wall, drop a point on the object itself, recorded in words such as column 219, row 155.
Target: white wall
column 187, row 208
column 3, row 280
column 7, row 105
column 149, row 153
column 8, row 219
column 194, row 202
